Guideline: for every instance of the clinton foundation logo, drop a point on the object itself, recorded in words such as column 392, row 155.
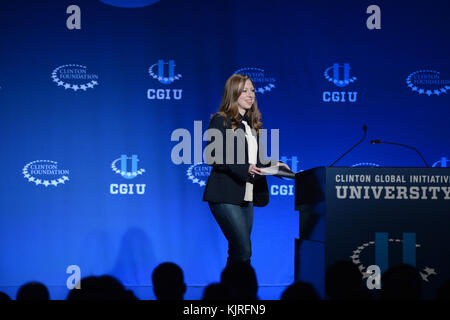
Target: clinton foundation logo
column 263, row 82
column 339, row 75
column 74, row 77
column 427, row 82
column 45, row 173
column 120, row 167
column 199, row 173
column 164, row 73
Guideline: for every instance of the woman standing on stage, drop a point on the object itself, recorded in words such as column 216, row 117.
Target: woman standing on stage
column 234, row 187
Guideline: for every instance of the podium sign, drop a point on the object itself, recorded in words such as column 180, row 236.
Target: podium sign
column 374, row 216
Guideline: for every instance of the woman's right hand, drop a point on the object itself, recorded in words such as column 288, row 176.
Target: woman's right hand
column 254, row 170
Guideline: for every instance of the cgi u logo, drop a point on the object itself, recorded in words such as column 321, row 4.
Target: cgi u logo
column 127, row 188
column 171, row 77
column 129, row 3
column 339, row 96
column 337, row 81
column 285, row 189
column 381, row 249
column 294, row 161
column 124, row 164
column 441, row 163
column 381, row 257
column 158, row 72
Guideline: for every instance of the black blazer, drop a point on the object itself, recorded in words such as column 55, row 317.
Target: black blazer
column 226, row 183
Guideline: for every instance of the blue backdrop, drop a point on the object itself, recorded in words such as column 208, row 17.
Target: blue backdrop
column 73, row 101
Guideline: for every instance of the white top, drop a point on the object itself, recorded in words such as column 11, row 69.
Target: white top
column 252, row 154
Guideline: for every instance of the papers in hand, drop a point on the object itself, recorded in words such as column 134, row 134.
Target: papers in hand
column 278, row 171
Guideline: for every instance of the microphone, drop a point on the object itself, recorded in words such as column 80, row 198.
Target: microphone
column 402, row 145
column 365, row 134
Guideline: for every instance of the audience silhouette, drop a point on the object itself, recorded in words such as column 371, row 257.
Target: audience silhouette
column 240, row 279
column 168, row 282
column 343, row 281
column 300, row 291
column 444, row 291
column 95, row 288
column 216, row 292
column 401, row 282
column 4, row 297
column 33, row 291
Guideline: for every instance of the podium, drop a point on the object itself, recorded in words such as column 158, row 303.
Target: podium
column 373, row 216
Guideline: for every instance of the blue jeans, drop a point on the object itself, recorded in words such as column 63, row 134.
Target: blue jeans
column 236, row 224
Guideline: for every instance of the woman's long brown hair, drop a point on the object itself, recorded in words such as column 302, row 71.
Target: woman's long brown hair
column 229, row 105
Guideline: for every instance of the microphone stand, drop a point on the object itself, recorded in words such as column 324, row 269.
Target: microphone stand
column 402, row 145
column 365, row 134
